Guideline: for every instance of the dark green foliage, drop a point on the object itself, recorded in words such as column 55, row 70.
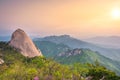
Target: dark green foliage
column 100, row 72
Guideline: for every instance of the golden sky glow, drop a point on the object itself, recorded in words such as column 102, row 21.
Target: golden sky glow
column 79, row 18
column 116, row 13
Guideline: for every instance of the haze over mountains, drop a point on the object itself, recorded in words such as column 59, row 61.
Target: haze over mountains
column 107, row 42
column 4, row 38
column 57, row 48
column 76, row 43
column 107, row 46
column 68, row 50
column 63, row 49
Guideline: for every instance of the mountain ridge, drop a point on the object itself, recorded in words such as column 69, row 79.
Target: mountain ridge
column 107, row 42
column 76, row 43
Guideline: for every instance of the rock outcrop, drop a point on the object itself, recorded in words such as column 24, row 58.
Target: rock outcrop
column 1, row 61
column 21, row 42
column 70, row 52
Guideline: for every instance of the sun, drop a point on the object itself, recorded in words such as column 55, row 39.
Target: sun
column 115, row 13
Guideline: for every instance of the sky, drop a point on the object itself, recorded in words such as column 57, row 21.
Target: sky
column 78, row 18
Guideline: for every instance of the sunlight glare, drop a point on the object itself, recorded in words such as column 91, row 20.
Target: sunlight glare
column 116, row 13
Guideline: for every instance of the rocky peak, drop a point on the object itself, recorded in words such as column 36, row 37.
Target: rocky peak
column 70, row 52
column 21, row 42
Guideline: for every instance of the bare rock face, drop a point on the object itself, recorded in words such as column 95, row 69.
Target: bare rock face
column 24, row 44
column 70, row 52
column 1, row 61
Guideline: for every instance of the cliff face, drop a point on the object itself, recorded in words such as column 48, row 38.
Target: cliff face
column 24, row 44
column 70, row 53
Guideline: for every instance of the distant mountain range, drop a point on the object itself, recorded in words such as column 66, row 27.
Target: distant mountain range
column 4, row 38
column 76, row 43
column 19, row 67
column 66, row 55
column 107, row 42
column 63, row 49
